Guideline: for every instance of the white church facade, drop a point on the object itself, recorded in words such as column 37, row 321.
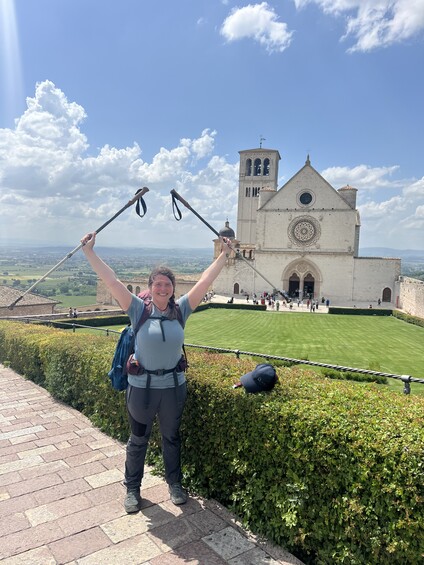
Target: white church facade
column 302, row 238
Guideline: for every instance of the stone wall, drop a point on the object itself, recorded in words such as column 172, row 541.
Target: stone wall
column 375, row 278
column 27, row 310
column 62, row 316
column 411, row 296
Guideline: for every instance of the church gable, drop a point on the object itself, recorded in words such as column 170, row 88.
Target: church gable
column 307, row 213
column 306, row 190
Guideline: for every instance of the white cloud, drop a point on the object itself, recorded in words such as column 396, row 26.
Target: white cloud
column 415, row 189
column 361, row 176
column 375, row 23
column 52, row 191
column 257, row 22
column 396, row 221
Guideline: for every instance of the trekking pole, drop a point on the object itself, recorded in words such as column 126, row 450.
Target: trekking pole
column 138, row 197
column 176, row 196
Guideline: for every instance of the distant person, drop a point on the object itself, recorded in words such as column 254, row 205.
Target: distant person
column 75, row 313
column 71, row 312
column 379, row 302
column 157, row 385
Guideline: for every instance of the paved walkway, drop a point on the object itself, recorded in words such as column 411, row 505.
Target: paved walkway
column 61, row 498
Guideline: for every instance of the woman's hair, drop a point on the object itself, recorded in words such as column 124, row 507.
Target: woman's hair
column 166, row 272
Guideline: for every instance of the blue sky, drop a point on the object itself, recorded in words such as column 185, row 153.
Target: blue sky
column 99, row 98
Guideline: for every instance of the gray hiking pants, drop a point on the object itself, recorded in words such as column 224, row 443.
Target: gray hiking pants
column 168, row 404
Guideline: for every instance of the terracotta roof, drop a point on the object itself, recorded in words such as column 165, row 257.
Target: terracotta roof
column 9, row 295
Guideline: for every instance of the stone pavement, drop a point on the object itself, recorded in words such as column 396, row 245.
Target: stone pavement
column 61, row 498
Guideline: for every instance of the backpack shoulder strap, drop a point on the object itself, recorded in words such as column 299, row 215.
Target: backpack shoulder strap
column 147, row 310
column 179, row 314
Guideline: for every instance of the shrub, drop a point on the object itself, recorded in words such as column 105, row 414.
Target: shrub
column 360, row 311
column 408, row 318
column 330, row 470
column 353, row 376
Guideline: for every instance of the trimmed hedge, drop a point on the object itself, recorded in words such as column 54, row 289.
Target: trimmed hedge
column 351, row 376
column 97, row 322
column 330, row 470
column 233, row 306
column 238, row 306
column 360, row 311
column 408, row 318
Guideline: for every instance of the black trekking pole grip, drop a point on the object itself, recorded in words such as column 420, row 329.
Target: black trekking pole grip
column 135, row 198
column 138, row 195
column 187, row 205
column 181, row 199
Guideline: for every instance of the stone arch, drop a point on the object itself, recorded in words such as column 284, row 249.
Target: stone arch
column 306, row 273
column 236, row 289
column 387, row 294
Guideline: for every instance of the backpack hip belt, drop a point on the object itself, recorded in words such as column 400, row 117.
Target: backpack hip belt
column 134, row 368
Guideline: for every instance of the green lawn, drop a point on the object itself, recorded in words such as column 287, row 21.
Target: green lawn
column 378, row 343
column 75, row 301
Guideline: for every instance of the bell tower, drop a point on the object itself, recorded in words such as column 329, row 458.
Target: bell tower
column 258, row 173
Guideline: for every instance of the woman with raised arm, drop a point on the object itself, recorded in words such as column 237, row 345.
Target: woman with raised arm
column 161, row 389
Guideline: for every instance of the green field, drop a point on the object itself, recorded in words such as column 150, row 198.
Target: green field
column 355, row 341
column 378, row 343
column 75, row 301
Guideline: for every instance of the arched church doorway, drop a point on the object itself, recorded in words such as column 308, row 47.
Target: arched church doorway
column 308, row 286
column 387, row 295
column 236, row 289
column 294, row 285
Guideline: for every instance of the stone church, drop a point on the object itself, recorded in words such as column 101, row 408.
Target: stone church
column 302, row 238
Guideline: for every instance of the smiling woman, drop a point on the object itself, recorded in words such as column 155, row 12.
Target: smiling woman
column 156, row 377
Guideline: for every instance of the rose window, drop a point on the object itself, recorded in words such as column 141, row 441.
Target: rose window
column 304, row 231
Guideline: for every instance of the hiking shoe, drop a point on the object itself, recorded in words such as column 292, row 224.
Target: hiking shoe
column 132, row 501
column 178, row 494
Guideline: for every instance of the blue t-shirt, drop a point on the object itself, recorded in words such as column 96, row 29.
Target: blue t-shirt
column 151, row 351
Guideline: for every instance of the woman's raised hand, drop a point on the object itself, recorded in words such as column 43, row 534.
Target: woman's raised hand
column 225, row 245
column 89, row 240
